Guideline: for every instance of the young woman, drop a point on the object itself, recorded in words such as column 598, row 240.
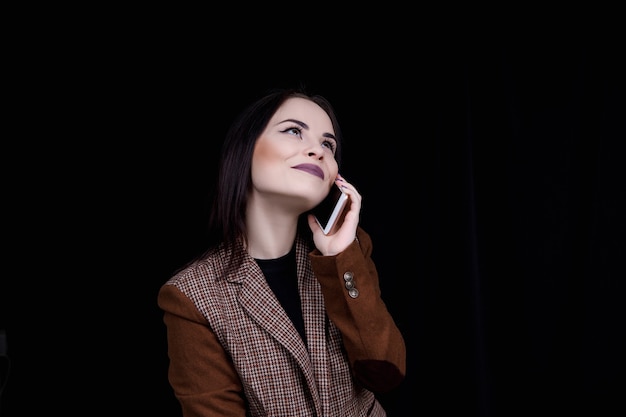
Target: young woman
column 278, row 318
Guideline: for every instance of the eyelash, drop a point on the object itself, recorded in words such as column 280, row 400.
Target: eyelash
column 331, row 145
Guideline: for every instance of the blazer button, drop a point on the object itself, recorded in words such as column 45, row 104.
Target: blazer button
column 348, row 277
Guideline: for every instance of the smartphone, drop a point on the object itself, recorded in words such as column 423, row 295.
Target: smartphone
column 329, row 210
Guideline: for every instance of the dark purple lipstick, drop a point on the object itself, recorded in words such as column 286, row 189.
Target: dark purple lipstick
column 311, row 169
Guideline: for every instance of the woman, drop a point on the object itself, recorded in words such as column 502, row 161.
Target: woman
column 267, row 322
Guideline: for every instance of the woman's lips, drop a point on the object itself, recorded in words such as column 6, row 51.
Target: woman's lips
column 311, row 169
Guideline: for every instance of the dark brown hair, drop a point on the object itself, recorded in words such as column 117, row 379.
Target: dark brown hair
column 227, row 218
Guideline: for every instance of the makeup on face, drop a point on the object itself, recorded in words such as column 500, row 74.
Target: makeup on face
column 311, row 169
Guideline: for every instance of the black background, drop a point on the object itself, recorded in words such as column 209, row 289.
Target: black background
column 492, row 176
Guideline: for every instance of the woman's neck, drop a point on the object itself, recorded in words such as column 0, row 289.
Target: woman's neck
column 270, row 234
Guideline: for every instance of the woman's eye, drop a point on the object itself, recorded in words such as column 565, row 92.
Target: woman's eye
column 296, row 131
column 329, row 144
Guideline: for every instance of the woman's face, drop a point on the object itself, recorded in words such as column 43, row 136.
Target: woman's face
column 293, row 163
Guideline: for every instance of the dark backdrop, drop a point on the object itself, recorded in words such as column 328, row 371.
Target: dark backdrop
column 493, row 187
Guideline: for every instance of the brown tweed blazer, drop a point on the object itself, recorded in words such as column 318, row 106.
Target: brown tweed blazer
column 235, row 352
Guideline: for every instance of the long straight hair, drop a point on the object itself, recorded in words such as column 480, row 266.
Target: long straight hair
column 234, row 180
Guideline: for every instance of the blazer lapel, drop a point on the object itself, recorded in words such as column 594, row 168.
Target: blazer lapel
column 260, row 303
column 257, row 299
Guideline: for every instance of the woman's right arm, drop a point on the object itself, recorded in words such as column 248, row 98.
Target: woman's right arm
column 200, row 372
column 373, row 342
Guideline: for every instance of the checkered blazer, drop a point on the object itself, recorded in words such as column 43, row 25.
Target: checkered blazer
column 234, row 351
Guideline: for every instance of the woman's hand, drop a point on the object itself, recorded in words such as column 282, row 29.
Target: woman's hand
column 344, row 232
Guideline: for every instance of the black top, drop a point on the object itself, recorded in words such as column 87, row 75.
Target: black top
column 281, row 275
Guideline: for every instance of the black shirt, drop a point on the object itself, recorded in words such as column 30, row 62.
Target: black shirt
column 281, row 275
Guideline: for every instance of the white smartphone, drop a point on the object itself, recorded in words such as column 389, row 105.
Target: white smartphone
column 329, row 210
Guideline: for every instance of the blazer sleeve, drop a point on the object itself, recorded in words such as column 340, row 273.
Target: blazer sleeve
column 373, row 342
column 200, row 372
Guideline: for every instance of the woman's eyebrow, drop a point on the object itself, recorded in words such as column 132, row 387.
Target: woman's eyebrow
column 298, row 122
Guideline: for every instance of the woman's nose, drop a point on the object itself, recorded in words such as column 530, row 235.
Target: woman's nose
column 319, row 154
column 316, row 150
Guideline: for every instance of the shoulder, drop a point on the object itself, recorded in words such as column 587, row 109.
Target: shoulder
column 217, row 268
column 206, row 269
